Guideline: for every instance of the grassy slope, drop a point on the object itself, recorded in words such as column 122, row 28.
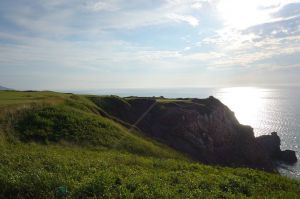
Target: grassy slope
column 65, row 143
column 75, row 120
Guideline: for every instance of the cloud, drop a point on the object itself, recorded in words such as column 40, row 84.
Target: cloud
column 60, row 17
column 252, row 53
column 289, row 10
column 277, row 38
column 103, row 38
column 204, row 56
column 197, row 5
column 281, row 28
column 193, row 21
column 102, row 6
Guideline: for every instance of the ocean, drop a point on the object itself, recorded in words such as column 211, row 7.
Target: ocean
column 265, row 109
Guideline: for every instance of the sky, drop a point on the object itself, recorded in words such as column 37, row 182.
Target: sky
column 94, row 44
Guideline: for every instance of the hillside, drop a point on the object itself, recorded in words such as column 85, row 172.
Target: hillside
column 56, row 145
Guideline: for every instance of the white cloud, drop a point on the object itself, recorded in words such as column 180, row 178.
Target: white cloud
column 193, row 21
column 86, row 37
column 102, row 6
column 204, row 56
column 243, row 14
column 187, row 48
column 197, row 5
column 263, row 42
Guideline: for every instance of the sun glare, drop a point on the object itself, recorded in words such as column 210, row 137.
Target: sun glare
column 241, row 13
column 246, row 102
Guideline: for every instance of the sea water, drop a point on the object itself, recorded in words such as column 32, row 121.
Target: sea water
column 265, row 109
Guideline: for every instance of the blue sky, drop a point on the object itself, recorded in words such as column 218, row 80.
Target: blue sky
column 92, row 44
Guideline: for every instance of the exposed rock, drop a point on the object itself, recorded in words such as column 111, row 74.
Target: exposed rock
column 206, row 129
column 271, row 144
column 288, row 156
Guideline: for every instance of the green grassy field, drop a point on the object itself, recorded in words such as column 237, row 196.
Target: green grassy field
column 14, row 98
column 55, row 145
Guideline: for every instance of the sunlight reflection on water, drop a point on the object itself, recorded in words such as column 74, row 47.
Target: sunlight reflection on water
column 248, row 104
column 268, row 110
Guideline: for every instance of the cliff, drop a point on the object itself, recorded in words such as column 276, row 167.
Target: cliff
column 205, row 129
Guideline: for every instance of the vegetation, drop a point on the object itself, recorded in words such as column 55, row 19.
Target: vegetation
column 57, row 145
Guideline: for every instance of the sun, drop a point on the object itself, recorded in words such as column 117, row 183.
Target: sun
column 241, row 13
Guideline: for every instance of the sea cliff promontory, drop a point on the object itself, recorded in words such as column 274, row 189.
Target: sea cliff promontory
column 205, row 129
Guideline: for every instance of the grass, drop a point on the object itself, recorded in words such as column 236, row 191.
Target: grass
column 37, row 171
column 59, row 146
column 8, row 98
column 77, row 125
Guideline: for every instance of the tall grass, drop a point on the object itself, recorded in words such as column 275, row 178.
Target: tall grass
column 38, row 171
